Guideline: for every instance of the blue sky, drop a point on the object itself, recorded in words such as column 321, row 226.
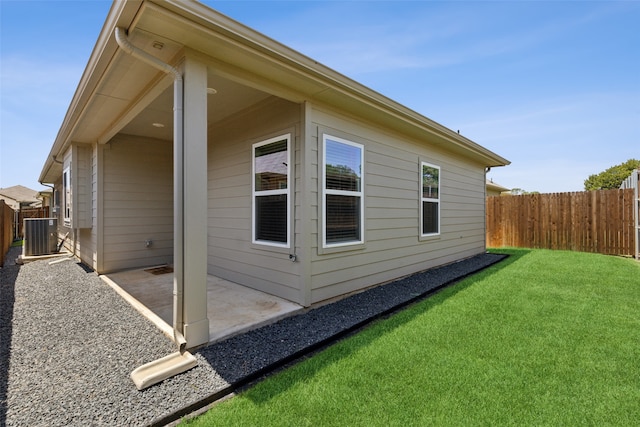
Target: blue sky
column 552, row 86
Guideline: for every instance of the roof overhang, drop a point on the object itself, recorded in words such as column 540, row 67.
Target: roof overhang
column 115, row 87
column 496, row 187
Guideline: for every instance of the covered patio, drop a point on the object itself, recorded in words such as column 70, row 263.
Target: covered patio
column 231, row 308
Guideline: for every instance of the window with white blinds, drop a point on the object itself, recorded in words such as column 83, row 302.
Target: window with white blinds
column 342, row 165
column 271, row 191
column 430, row 199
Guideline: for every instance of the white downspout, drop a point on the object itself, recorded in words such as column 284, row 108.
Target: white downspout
column 178, row 180
column 486, row 171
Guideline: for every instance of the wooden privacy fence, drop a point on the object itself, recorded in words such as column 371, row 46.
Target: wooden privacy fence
column 7, row 216
column 42, row 212
column 591, row 221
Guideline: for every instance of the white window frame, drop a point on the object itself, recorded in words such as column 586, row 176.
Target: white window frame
column 430, row 199
column 66, row 196
column 255, row 193
column 326, row 192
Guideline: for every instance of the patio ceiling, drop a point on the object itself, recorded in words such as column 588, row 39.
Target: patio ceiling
column 136, row 99
column 156, row 120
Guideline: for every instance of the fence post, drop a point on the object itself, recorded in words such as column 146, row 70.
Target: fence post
column 2, row 204
column 6, row 225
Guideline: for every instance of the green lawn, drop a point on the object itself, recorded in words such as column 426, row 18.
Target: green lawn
column 543, row 338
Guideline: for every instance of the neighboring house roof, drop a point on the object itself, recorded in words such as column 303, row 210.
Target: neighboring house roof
column 46, row 196
column 114, row 94
column 19, row 194
column 632, row 180
column 495, row 188
column 274, row 163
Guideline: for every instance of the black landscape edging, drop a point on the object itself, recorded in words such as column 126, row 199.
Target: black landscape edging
column 324, row 342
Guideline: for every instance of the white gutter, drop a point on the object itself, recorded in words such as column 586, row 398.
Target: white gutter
column 163, row 368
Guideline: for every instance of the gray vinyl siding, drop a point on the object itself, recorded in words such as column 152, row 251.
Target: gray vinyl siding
column 78, row 234
column 81, row 173
column 92, row 234
column 137, row 197
column 83, row 203
column 231, row 253
column 393, row 246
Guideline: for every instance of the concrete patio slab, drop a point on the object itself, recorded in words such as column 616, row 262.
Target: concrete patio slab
column 231, row 308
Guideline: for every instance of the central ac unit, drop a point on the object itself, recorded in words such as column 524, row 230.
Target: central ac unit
column 40, row 236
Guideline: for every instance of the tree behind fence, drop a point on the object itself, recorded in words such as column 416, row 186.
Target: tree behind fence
column 591, row 221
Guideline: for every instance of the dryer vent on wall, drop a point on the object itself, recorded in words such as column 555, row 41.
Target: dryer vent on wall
column 40, row 236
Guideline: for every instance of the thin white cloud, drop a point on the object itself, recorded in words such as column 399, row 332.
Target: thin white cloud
column 353, row 38
column 555, row 147
column 553, row 175
column 581, row 111
column 35, row 95
column 29, row 80
column 422, row 36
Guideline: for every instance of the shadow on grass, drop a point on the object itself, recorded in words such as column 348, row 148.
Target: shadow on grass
column 244, row 360
column 8, row 276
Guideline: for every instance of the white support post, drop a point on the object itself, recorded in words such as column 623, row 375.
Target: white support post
column 194, row 191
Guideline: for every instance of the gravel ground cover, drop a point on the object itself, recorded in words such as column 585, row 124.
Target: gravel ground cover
column 68, row 343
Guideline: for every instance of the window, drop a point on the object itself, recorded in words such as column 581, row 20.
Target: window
column 271, row 184
column 66, row 196
column 342, row 164
column 430, row 203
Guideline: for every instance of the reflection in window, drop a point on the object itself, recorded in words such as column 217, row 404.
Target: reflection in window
column 271, row 162
column 271, row 191
column 66, row 196
column 430, row 203
column 342, row 189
